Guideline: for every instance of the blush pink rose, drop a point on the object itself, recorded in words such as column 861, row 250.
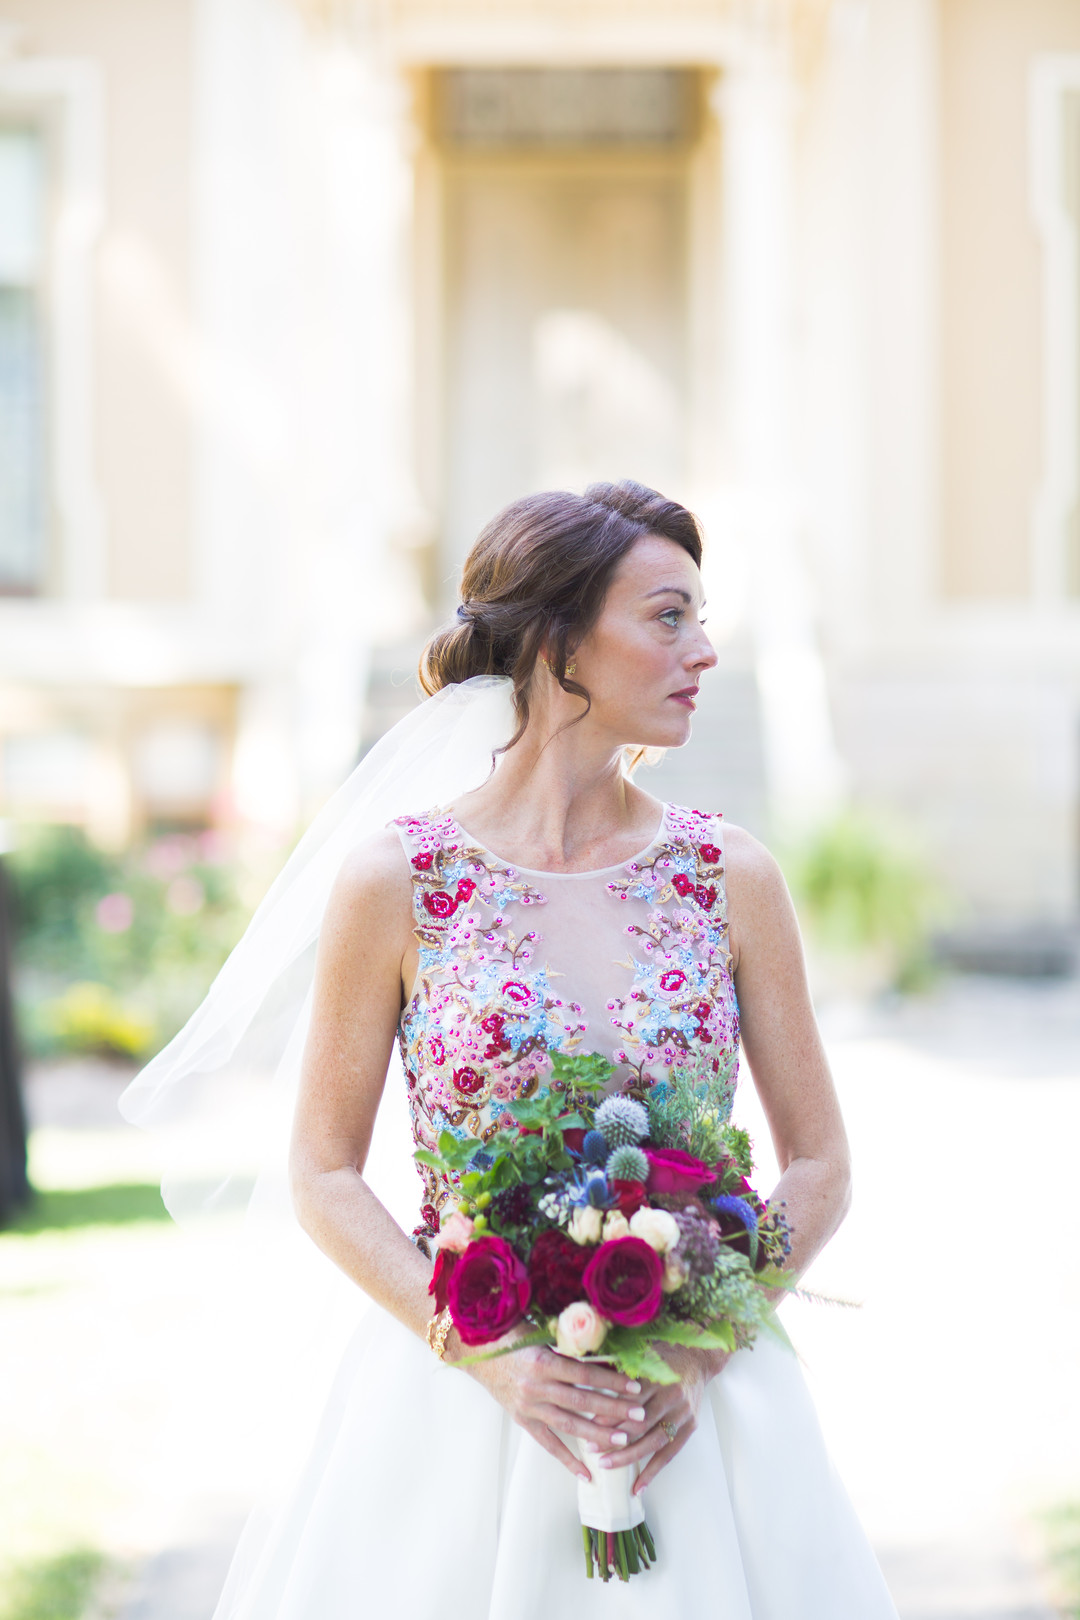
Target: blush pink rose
column 580, row 1330
column 455, row 1232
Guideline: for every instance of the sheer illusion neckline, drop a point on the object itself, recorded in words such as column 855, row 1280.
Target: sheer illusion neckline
column 538, row 871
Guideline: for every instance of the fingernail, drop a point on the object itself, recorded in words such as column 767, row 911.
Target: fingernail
column 638, row 1414
column 590, row 1445
column 633, row 1387
column 607, row 1462
column 585, row 1478
column 618, row 1439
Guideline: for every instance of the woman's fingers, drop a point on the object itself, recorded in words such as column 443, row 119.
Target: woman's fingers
column 600, row 1435
column 551, row 1442
column 568, row 1371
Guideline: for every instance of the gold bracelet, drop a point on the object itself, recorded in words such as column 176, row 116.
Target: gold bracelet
column 438, row 1331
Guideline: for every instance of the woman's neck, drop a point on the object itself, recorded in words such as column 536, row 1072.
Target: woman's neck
column 559, row 799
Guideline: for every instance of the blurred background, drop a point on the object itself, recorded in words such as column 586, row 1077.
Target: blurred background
column 294, row 294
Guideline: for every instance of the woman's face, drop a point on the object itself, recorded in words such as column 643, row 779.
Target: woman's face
column 643, row 658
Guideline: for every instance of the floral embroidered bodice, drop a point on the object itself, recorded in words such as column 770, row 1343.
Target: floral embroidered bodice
column 631, row 962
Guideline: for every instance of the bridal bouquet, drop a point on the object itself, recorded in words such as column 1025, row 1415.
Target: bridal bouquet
column 608, row 1225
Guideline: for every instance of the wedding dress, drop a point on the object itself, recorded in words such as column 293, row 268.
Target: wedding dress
column 420, row 1498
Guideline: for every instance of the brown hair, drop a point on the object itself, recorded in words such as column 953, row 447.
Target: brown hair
column 535, row 581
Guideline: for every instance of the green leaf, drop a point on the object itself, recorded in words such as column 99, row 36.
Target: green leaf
column 528, row 1339
column 423, row 1156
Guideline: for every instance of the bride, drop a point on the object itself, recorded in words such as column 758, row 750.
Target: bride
column 556, row 907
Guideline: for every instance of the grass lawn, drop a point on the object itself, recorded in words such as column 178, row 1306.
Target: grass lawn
column 96, row 1290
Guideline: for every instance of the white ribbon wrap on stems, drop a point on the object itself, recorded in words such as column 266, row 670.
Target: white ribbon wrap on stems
column 607, row 1502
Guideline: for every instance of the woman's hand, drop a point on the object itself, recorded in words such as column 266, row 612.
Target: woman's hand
column 549, row 1394
column 674, row 1404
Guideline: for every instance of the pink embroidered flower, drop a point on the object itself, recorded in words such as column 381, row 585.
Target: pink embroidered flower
column 423, row 861
column 468, row 1081
column 673, row 980
column 437, row 1050
column 440, row 904
column 517, row 991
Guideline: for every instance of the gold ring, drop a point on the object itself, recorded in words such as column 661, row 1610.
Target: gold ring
column 669, row 1428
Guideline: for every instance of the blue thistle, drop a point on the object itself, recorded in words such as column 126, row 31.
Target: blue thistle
column 728, row 1204
column 622, row 1122
column 594, row 1149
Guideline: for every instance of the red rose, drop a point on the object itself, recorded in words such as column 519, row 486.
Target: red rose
column 468, row 1081
column 517, row 991
column 673, row 980
column 574, row 1139
column 629, row 1196
column 437, row 1049
column 445, row 1261
column 673, row 1171
column 431, row 1216
column 709, row 853
column 423, row 861
column 623, row 1281
column 682, row 884
column 555, row 1269
column 440, row 904
column 488, row 1290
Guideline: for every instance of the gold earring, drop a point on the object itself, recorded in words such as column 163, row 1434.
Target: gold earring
column 571, row 668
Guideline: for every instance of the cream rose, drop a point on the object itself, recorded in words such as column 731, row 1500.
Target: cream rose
column 616, row 1225
column 658, row 1228
column 676, row 1272
column 580, row 1330
column 586, row 1224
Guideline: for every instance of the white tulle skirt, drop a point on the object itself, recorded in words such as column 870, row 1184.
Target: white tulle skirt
column 421, row 1499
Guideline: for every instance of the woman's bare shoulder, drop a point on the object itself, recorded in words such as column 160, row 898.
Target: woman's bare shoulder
column 759, row 905
column 373, row 882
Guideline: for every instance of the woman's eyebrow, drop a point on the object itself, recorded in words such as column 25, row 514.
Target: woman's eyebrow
column 670, row 590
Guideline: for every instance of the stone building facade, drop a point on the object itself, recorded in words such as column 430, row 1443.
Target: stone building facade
column 293, row 296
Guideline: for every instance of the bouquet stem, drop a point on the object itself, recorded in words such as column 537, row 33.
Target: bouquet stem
column 627, row 1552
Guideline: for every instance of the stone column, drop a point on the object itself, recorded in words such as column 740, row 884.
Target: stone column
column 754, row 106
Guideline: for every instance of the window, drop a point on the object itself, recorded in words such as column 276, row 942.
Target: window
column 23, row 476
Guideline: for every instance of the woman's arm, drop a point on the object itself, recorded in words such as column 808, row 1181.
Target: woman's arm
column 365, row 943
column 783, row 1047
column 782, row 1044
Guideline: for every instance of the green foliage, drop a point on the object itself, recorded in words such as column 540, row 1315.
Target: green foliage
column 582, row 1073
column 58, row 1588
column 68, row 1208
column 1062, row 1527
column 859, row 884
column 691, row 1113
column 113, row 951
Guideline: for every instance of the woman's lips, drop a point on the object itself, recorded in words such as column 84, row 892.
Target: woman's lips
column 686, row 697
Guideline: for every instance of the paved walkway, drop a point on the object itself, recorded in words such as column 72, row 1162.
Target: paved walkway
column 942, row 1396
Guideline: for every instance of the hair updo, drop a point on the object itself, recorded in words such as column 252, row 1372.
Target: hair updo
column 535, row 581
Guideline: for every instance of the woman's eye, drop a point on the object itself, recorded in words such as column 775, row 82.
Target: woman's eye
column 671, row 616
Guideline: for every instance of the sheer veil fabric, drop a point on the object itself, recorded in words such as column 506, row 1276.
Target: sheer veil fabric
column 419, row 1496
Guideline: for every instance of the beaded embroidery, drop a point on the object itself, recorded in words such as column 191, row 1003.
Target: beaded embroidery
column 485, row 1016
